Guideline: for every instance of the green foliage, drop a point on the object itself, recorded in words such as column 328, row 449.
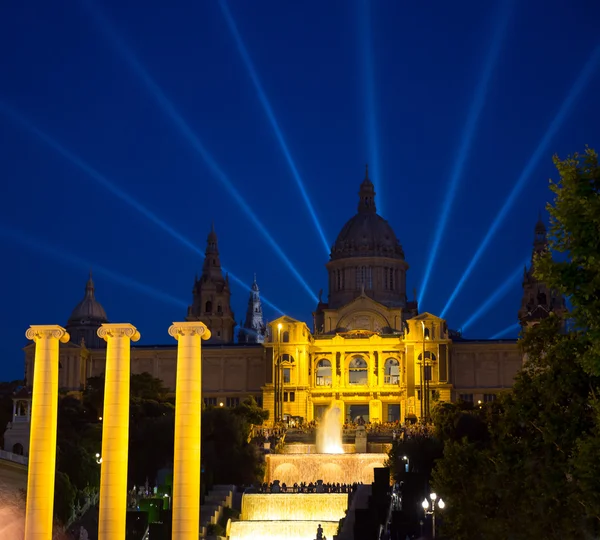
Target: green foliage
column 64, row 497
column 227, row 457
column 527, row 465
column 215, row 529
column 251, row 413
column 420, row 451
column 145, row 386
column 575, row 232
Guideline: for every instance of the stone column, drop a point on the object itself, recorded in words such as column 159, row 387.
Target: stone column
column 188, row 416
column 42, row 441
column 115, row 430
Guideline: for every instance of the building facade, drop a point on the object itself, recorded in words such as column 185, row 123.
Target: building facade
column 369, row 348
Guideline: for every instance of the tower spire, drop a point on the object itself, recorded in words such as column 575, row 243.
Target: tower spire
column 366, row 194
column 253, row 329
column 211, row 295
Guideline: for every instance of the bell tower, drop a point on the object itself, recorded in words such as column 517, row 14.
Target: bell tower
column 538, row 300
column 253, row 329
column 211, row 296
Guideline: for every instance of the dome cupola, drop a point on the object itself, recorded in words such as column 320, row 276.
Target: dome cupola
column 367, row 257
column 86, row 318
column 367, row 234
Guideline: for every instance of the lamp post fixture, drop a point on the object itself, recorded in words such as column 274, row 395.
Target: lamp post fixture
column 424, row 379
column 406, row 458
column 279, row 379
column 430, row 506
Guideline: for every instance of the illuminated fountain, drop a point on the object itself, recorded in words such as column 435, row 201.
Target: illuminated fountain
column 296, row 516
column 329, row 433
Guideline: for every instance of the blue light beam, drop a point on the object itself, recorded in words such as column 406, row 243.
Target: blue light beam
column 104, row 182
column 508, row 330
column 371, row 112
column 576, row 89
column 62, row 256
column 497, row 295
column 467, row 140
column 262, row 96
column 171, row 111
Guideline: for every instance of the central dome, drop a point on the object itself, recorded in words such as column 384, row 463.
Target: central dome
column 367, row 234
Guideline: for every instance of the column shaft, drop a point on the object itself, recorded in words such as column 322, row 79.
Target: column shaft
column 188, row 416
column 42, row 441
column 115, row 431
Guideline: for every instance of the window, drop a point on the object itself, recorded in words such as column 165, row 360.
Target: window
column 287, row 373
column 323, row 373
column 289, row 396
column 488, row 398
column 427, row 373
column 233, row 401
column 364, row 276
column 391, row 371
column 208, row 307
column 286, row 337
column 287, row 358
column 219, row 308
column 429, row 357
column 468, row 398
column 339, row 278
column 210, row 401
column 358, row 373
column 388, row 278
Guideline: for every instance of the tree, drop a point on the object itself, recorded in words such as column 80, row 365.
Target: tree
column 535, row 473
column 575, row 233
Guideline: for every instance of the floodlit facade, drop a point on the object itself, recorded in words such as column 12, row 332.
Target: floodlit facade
column 367, row 345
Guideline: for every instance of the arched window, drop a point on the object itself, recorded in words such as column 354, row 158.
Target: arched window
column 208, row 307
column 358, row 371
column 364, row 276
column 323, row 373
column 286, row 337
column 17, row 449
column 391, row 370
column 429, row 356
column 219, row 308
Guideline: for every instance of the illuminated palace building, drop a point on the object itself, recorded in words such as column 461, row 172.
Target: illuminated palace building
column 369, row 347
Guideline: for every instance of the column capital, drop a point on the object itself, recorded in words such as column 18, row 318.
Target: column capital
column 37, row 332
column 113, row 330
column 190, row 328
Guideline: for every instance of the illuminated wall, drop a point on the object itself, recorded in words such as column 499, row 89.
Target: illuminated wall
column 294, row 506
column 280, row 530
column 342, row 468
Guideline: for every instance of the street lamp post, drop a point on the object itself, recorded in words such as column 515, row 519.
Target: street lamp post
column 278, row 378
column 430, row 506
column 405, row 458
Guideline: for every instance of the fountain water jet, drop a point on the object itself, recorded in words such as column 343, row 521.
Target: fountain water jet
column 329, row 432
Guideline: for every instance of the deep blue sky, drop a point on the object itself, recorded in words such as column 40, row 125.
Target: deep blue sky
column 324, row 68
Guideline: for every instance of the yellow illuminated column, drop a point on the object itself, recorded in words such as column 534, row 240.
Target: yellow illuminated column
column 115, row 430
column 188, row 415
column 42, row 441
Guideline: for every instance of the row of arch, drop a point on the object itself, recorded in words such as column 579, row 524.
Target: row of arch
column 358, row 372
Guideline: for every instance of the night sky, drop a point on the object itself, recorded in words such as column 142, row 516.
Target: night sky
column 126, row 128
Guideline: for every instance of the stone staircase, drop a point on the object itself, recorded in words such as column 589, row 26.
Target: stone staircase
column 218, row 498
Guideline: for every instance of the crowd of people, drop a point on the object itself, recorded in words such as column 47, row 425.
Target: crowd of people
column 318, row 487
